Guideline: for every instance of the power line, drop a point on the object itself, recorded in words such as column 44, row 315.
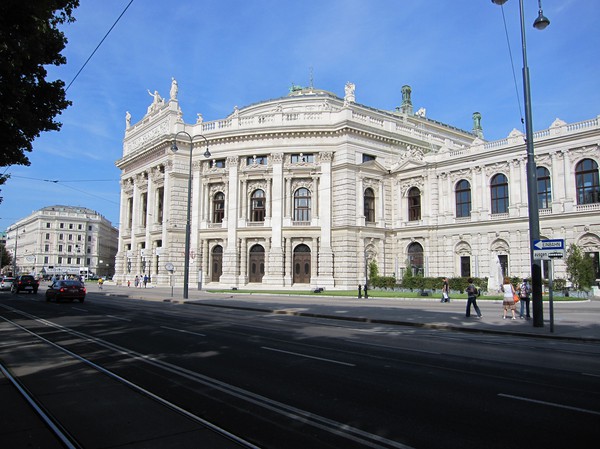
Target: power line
column 98, row 46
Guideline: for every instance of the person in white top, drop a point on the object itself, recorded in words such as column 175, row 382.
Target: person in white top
column 509, row 298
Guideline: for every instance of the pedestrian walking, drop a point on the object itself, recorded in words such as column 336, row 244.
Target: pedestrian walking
column 524, row 295
column 145, row 280
column 365, row 290
column 509, row 298
column 136, row 281
column 359, row 291
column 100, row 283
column 445, row 290
column 472, row 293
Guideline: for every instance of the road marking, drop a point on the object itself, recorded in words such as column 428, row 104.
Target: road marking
column 118, row 318
column 552, row 404
column 394, row 347
column 308, row 356
column 81, row 310
column 182, row 331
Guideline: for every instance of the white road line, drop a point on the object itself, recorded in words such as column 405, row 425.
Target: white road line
column 590, row 374
column 118, row 318
column 308, row 356
column 81, row 310
column 393, row 347
column 182, row 331
column 552, row 404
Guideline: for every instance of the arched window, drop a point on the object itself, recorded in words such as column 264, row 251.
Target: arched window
column 414, row 204
column 415, row 258
column 588, row 185
column 369, row 205
column 463, row 198
column 302, row 205
column 218, row 207
column 257, row 206
column 499, row 194
column 544, row 188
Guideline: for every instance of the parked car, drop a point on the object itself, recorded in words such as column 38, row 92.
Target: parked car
column 6, row 283
column 25, row 283
column 66, row 289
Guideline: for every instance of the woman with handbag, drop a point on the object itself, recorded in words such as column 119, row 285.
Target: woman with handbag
column 509, row 298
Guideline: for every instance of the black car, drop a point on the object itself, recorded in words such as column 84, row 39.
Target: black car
column 67, row 289
column 25, row 283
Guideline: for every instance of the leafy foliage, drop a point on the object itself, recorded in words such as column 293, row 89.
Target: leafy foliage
column 29, row 41
column 5, row 258
column 580, row 269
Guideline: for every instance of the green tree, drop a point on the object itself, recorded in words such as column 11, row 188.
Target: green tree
column 29, row 41
column 580, row 269
column 5, row 258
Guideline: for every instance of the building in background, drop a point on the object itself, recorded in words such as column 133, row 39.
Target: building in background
column 306, row 190
column 62, row 240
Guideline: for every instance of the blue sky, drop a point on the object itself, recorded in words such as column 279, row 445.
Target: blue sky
column 454, row 55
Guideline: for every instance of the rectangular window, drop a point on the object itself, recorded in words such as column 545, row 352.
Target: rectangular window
column 45, row 259
column 301, row 157
column 217, row 163
column 47, row 236
column 69, row 261
column 70, row 237
column 367, row 158
column 465, row 266
column 48, row 225
column 70, row 225
column 60, row 237
column 60, row 248
column 504, row 264
column 59, row 259
column 80, row 226
column 69, row 248
column 88, row 261
column 256, row 160
column 46, row 248
column 62, row 225
column 89, row 238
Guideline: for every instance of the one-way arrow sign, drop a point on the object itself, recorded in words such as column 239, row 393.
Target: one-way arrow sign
column 548, row 249
column 557, row 244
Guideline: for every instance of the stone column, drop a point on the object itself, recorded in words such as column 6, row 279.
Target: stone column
column 325, row 194
column 230, row 253
column 274, row 257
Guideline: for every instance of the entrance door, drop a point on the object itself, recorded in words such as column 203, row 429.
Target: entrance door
column 256, row 264
column 301, row 265
column 217, row 263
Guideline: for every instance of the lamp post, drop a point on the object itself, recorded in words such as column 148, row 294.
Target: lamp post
column 532, row 194
column 186, row 264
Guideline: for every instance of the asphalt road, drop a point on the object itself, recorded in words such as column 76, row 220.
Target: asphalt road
column 136, row 374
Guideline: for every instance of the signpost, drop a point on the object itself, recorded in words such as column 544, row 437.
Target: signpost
column 549, row 250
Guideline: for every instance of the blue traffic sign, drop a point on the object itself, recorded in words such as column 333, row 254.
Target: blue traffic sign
column 554, row 244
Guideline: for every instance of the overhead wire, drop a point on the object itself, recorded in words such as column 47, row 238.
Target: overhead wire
column 512, row 63
column 98, row 46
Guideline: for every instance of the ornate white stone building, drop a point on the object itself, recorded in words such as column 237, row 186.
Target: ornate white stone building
column 304, row 190
column 62, row 240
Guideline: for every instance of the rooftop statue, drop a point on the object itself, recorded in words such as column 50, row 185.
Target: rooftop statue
column 174, row 89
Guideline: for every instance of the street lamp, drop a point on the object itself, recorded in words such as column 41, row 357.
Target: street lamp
column 532, row 195
column 186, row 265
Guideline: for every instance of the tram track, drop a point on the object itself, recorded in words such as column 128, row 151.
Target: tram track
column 275, row 410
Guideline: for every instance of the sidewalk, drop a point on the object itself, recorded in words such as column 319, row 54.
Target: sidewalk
column 572, row 320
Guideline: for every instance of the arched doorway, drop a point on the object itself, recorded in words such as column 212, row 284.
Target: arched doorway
column 301, row 264
column 217, row 263
column 256, row 264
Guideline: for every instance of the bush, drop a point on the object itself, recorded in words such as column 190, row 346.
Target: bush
column 383, row 282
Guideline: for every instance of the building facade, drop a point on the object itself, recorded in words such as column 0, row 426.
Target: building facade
column 62, row 240
column 304, row 191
